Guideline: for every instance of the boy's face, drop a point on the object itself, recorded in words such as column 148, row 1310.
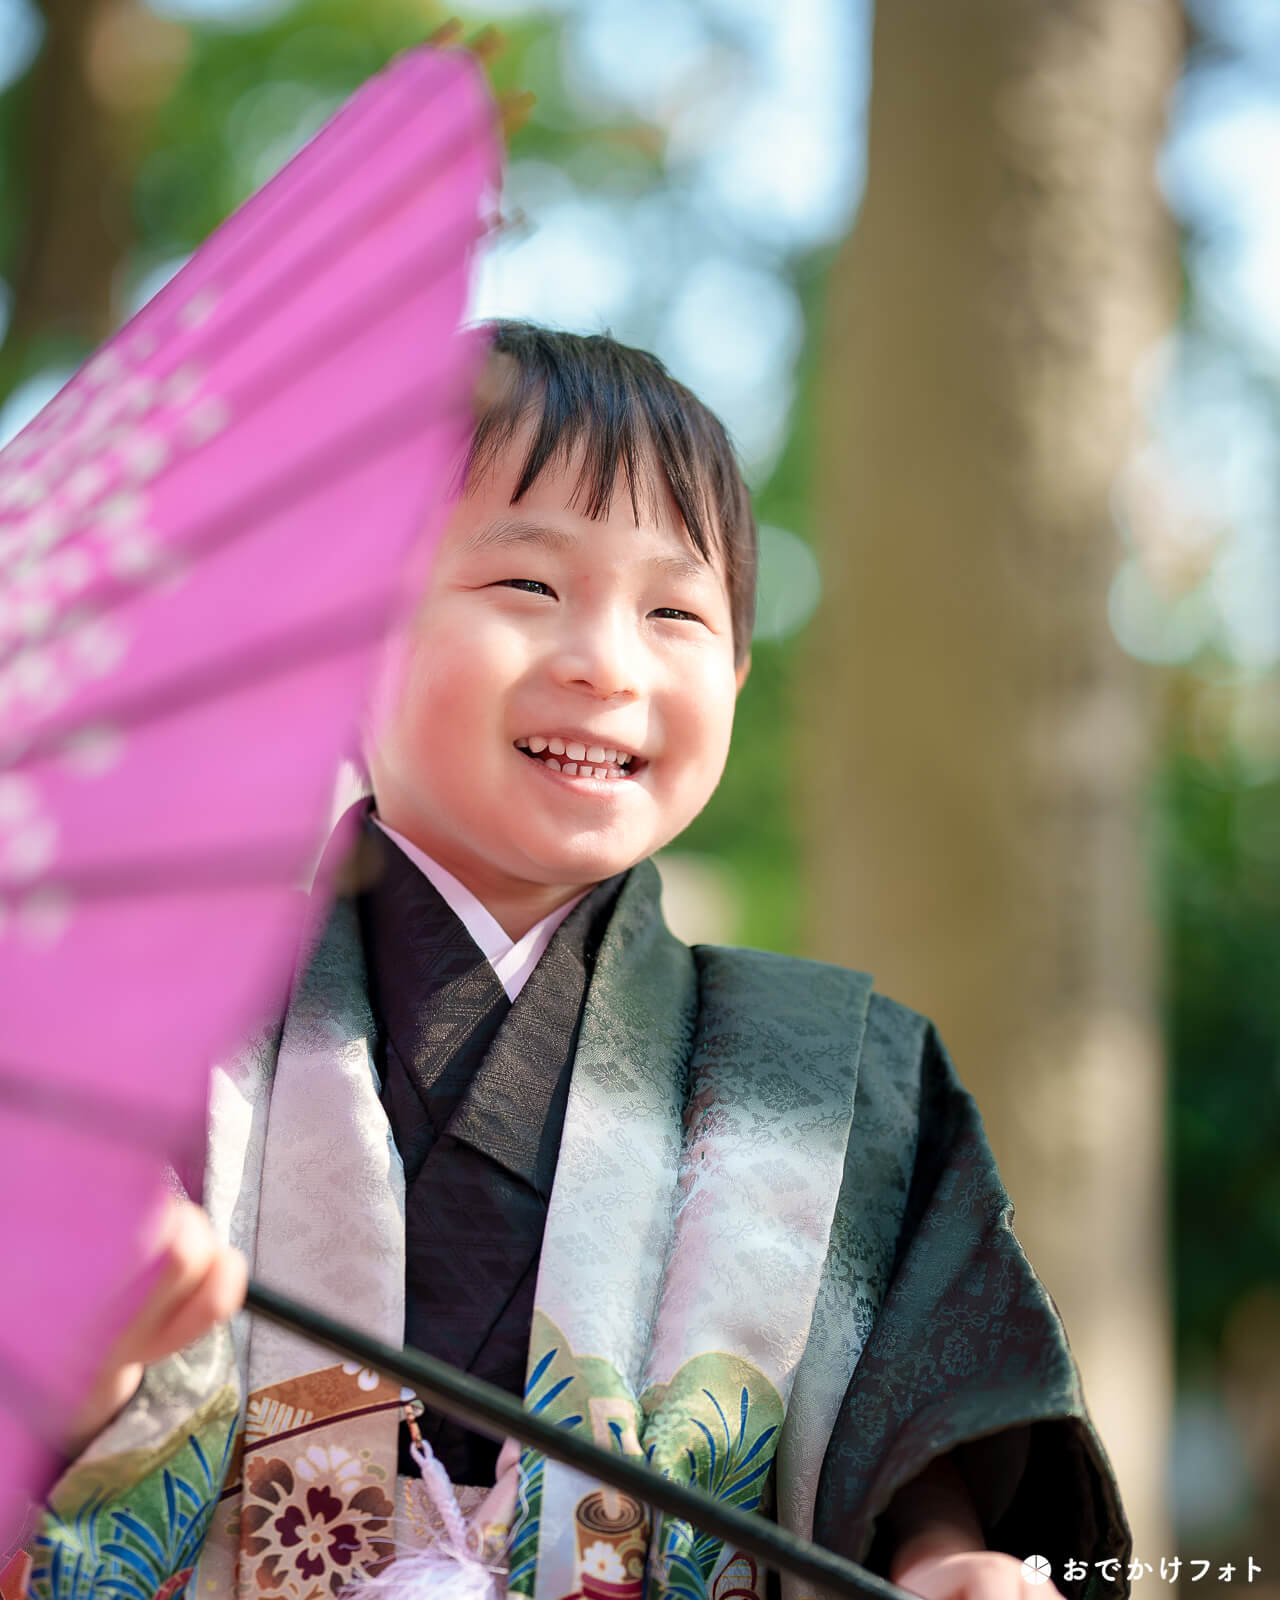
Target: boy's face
column 539, row 624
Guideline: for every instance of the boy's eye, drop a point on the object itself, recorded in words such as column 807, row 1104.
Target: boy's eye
column 536, row 586
column 527, row 585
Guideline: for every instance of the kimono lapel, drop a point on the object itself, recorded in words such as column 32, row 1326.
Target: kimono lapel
column 476, row 1208
column 304, row 1177
column 767, row 1126
column 608, row 1231
column 620, row 1148
column 700, row 1165
column 513, row 1108
column 437, row 1000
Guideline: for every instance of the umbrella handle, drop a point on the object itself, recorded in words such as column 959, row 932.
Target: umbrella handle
column 494, row 1412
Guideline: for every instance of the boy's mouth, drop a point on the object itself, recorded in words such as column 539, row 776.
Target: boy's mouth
column 574, row 758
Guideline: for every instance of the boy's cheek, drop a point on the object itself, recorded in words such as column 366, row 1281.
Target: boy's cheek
column 390, row 680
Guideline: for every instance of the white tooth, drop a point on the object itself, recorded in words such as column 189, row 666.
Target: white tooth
column 614, row 774
column 610, row 755
column 570, row 768
column 537, row 743
column 602, row 772
column 556, row 746
column 575, row 752
column 595, row 752
column 554, row 765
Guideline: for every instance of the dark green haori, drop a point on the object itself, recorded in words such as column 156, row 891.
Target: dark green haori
column 776, row 1260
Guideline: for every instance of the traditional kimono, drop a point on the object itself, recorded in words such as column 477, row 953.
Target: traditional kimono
column 722, row 1209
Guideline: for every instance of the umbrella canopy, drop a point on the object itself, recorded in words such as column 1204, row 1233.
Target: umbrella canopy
column 203, row 539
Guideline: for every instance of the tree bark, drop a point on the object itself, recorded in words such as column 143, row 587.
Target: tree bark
column 77, row 224
column 973, row 743
column 103, row 66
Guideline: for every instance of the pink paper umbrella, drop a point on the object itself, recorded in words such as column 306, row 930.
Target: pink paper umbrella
column 203, row 539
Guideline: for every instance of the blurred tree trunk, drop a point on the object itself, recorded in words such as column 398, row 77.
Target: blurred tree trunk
column 973, row 742
column 103, row 65
column 77, row 213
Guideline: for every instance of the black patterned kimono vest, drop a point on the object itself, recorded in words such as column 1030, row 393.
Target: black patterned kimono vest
column 474, row 1087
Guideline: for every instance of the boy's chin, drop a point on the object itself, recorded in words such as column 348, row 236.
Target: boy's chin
column 578, row 873
column 585, row 866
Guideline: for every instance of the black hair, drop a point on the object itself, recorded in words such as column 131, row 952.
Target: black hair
column 621, row 405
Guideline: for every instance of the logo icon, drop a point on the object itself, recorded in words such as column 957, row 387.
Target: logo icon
column 1036, row 1569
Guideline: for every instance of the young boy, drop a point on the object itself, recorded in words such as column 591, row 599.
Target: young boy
column 730, row 1211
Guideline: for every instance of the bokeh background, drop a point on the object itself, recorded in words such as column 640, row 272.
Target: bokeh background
column 988, row 293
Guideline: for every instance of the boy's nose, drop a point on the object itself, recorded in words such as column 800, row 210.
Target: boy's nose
column 599, row 659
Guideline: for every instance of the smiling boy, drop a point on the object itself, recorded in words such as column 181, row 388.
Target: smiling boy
column 568, row 706
column 514, row 1119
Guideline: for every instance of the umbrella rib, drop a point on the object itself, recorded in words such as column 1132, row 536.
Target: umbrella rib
column 315, row 640
column 482, row 1405
column 89, row 1110
column 263, row 211
column 418, row 275
column 34, row 1402
column 413, row 276
column 334, row 245
column 326, row 465
column 210, row 872
column 317, row 472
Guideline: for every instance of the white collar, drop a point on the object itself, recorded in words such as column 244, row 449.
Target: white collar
column 511, row 960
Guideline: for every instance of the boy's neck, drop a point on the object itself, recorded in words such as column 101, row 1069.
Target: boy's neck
column 515, row 905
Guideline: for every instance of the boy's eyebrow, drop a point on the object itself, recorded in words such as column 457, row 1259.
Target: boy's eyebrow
column 508, row 532
column 513, row 532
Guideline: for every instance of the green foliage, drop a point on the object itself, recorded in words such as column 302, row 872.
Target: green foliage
column 15, row 171
column 750, row 823
column 1220, row 877
column 250, row 94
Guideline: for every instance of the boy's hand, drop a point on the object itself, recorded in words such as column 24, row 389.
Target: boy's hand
column 939, row 1549
column 970, row 1575
column 201, row 1283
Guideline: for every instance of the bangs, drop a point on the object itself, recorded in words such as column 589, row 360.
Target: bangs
column 627, row 418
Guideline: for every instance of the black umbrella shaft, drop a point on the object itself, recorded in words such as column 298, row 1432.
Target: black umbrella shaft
column 492, row 1411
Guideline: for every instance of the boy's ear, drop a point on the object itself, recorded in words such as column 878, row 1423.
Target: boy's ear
column 741, row 674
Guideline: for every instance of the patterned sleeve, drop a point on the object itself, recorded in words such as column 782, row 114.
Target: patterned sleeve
column 128, row 1515
column 967, row 1353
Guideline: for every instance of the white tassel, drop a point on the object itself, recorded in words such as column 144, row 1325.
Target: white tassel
column 447, row 1571
column 433, row 1575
